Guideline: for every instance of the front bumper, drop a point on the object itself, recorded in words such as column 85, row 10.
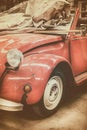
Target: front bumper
column 10, row 105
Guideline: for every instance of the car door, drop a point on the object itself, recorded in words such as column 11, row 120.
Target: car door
column 78, row 50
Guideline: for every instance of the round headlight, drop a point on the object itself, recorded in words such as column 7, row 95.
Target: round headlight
column 14, row 57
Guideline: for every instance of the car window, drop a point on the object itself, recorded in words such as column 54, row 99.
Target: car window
column 82, row 26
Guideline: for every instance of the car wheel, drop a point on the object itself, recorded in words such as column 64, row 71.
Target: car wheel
column 53, row 96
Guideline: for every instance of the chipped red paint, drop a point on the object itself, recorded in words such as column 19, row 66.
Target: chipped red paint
column 42, row 53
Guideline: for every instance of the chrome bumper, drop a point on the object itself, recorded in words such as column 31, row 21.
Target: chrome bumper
column 10, row 105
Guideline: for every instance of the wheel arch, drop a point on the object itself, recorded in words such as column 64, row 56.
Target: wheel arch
column 61, row 69
column 46, row 64
column 67, row 71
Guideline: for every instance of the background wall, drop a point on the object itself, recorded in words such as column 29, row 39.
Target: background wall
column 6, row 4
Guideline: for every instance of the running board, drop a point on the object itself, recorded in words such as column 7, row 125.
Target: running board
column 81, row 79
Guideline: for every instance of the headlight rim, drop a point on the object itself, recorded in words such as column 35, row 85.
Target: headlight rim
column 15, row 59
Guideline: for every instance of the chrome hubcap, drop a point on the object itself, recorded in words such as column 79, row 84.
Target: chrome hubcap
column 53, row 93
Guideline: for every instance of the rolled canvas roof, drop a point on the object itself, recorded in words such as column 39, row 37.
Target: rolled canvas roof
column 35, row 13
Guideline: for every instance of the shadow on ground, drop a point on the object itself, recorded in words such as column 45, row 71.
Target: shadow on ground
column 71, row 116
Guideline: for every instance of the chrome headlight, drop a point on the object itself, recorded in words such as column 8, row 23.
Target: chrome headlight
column 14, row 57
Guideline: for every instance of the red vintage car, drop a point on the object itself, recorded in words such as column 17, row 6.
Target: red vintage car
column 38, row 69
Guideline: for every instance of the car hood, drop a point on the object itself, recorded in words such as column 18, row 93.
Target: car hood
column 22, row 42
column 25, row 42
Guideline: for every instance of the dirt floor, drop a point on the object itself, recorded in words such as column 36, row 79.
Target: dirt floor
column 71, row 116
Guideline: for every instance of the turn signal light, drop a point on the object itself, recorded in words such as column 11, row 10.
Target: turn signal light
column 27, row 88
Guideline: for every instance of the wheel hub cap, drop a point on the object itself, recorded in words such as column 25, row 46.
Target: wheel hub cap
column 53, row 92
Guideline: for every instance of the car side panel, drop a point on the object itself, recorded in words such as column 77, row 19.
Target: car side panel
column 78, row 54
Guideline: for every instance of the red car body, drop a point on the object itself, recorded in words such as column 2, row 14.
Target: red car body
column 42, row 54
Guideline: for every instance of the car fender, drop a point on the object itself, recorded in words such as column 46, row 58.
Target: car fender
column 42, row 65
column 35, row 70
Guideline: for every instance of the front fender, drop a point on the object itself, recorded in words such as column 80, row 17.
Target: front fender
column 41, row 65
column 35, row 70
